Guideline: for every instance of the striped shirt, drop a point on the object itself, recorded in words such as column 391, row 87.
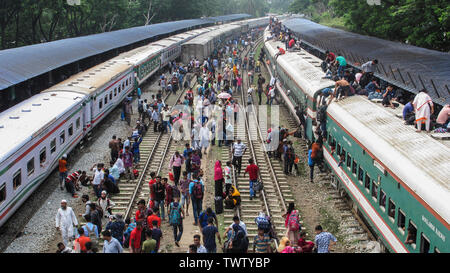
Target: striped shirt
column 239, row 148
column 261, row 244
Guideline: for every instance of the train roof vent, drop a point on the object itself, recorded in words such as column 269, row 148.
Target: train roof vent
column 36, row 104
column 86, row 76
column 80, row 80
column 14, row 117
column 70, row 84
column 102, row 68
column 307, row 57
column 2, row 126
column 26, row 110
column 92, row 87
column 91, row 73
column 53, row 94
column 73, row 83
column 46, row 98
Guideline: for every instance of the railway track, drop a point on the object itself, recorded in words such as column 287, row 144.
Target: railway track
column 275, row 196
column 154, row 151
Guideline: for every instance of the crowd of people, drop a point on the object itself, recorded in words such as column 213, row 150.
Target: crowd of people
column 203, row 115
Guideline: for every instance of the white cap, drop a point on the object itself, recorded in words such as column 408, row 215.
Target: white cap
column 64, row 156
column 64, row 201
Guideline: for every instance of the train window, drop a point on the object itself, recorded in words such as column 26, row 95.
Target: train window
column 354, row 167
column 412, row 234
column 349, row 161
column 100, row 104
column 53, row 146
column 70, row 130
column 42, row 156
column 123, row 86
column 360, row 175
column 17, row 179
column 367, row 182
column 119, row 89
column 424, row 244
column 401, row 220
column 3, row 193
column 106, row 99
column 78, row 123
column 126, row 82
column 382, row 200
column 115, row 91
column 391, row 210
column 110, row 96
column 62, row 137
column 30, row 166
column 374, row 191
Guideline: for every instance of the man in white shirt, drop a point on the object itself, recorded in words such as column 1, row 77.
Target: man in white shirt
column 236, row 221
column 200, row 247
column 98, row 179
column 165, row 114
column 65, row 221
column 238, row 151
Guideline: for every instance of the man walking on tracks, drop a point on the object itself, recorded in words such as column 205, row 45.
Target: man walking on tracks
column 176, row 215
column 238, row 151
column 253, row 173
column 196, row 190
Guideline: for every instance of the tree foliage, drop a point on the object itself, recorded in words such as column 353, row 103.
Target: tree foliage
column 424, row 23
column 28, row 22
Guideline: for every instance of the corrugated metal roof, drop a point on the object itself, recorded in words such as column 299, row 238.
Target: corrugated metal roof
column 403, row 58
column 23, row 63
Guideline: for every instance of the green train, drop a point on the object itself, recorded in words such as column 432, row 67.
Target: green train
column 398, row 180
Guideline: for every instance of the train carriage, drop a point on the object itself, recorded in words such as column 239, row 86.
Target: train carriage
column 34, row 134
column 103, row 87
column 300, row 73
column 396, row 178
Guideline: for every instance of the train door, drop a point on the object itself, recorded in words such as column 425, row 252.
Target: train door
column 87, row 115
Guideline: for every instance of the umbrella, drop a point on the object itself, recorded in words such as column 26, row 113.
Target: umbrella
column 224, row 95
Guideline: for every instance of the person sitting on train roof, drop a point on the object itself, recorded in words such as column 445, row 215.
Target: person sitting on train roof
column 389, row 97
column 369, row 67
column 408, row 113
column 372, row 87
column 349, row 76
column 340, row 60
column 443, row 118
column 330, row 58
column 281, row 51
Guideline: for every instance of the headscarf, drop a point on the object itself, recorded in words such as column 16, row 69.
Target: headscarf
column 282, row 244
column 218, row 173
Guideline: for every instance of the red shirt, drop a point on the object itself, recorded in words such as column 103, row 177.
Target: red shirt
column 152, row 218
column 331, row 56
column 291, row 42
column 152, row 194
column 252, row 171
column 281, row 50
column 136, row 236
column 82, row 240
column 138, row 216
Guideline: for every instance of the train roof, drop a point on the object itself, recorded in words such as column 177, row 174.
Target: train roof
column 429, row 64
column 206, row 37
column 90, row 80
column 303, row 67
column 23, row 63
column 417, row 159
column 21, row 122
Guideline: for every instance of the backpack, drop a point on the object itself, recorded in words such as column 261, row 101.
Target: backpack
column 140, row 108
column 175, row 215
column 91, row 233
column 263, row 223
column 99, row 210
column 175, row 191
column 197, row 191
column 293, row 221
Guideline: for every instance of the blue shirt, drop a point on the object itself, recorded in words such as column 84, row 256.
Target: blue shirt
column 322, row 241
column 112, row 247
column 209, row 237
column 371, row 87
column 139, row 91
column 310, row 161
column 203, row 218
column 407, row 109
column 191, row 187
column 186, row 151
